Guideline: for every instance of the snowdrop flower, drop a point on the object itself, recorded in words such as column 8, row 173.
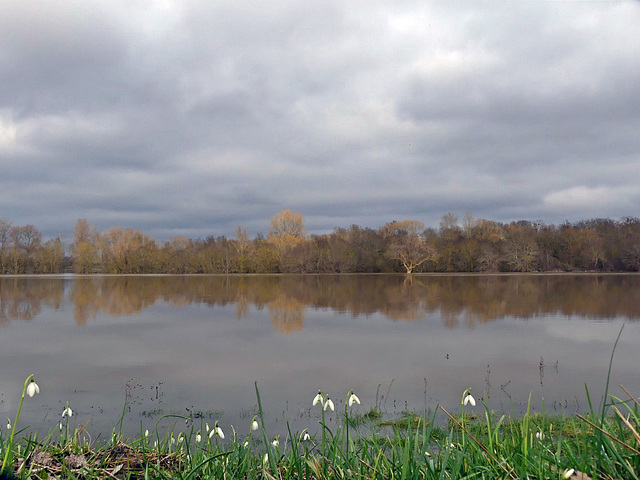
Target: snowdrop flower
column 198, row 437
column 254, row 424
column 329, row 404
column 246, row 444
column 60, row 425
column 467, row 398
column 207, row 426
column 8, row 424
column 317, row 398
column 32, row 388
column 353, row 398
column 146, row 433
column 265, row 459
column 216, row 431
column 180, row 438
column 275, row 443
column 304, row 435
column 568, row 473
column 539, row 436
column 67, row 412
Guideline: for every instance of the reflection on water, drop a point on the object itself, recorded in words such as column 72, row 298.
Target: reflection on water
column 457, row 298
column 175, row 343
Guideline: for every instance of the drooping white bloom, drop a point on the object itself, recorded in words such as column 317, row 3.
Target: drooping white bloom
column 254, row 425
column 217, row 431
column 146, row 433
column 198, row 437
column 67, row 412
column 275, row 443
column 317, row 398
column 306, row 436
column 265, row 459
column 353, row 398
column 32, row 388
column 329, row 404
column 469, row 400
column 8, row 424
column 539, row 436
column 207, row 426
column 568, row 473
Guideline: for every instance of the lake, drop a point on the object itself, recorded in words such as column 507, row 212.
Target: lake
column 158, row 345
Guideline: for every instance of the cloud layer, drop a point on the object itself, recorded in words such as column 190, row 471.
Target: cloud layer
column 193, row 117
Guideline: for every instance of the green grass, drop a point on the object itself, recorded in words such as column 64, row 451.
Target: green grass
column 472, row 443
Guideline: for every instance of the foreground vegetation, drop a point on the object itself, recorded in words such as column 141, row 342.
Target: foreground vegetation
column 466, row 245
column 475, row 443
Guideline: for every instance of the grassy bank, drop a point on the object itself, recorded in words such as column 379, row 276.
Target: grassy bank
column 473, row 443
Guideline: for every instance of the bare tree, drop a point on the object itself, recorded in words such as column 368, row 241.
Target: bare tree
column 287, row 230
column 407, row 244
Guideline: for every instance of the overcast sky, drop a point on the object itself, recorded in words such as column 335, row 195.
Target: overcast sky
column 191, row 117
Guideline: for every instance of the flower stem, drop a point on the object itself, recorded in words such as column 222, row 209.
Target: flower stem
column 9, row 446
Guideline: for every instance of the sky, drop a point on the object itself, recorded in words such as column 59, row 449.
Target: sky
column 193, row 117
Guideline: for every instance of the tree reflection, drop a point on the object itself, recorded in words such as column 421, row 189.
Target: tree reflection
column 287, row 314
column 457, row 299
column 23, row 298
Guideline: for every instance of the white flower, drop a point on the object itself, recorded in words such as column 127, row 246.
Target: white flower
column 329, row 404
column 246, row 444
column 539, row 436
column 317, row 398
column 216, row 431
column 469, row 399
column 8, row 424
column 568, row 473
column 275, row 443
column 353, row 398
column 180, row 438
column 254, row 425
column 67, row 412
column 32, row 388
column 198, row 437
column 265, row 459
column 207, row 425
column 146, row 433
column 306, row 436
column 60, row 425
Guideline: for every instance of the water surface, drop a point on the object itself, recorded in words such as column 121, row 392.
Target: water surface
column 180, row 344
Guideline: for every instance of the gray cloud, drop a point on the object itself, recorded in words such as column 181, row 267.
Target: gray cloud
column 190, row 118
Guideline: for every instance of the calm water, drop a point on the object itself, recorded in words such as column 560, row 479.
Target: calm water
column 166, row 344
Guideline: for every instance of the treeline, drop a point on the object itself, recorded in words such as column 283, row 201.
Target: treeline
column 466, row 245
